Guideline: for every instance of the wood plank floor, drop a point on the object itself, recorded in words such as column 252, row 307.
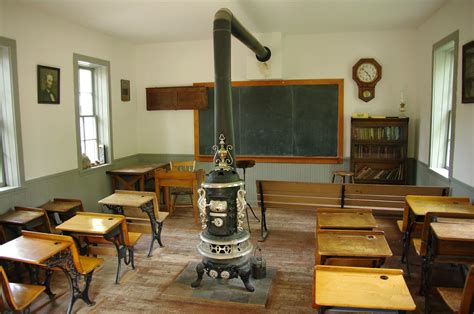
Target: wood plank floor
column 290, row 248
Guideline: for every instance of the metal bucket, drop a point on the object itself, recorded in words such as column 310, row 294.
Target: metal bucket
column 258, row 265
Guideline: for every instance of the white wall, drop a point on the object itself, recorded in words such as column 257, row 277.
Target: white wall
column 2, row 4
column 48, row 131
column 455, row 15
column 318, row 56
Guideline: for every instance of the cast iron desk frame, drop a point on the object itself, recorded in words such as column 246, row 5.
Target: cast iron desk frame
column 62, row 258
column 146, row 207
column 113, row 235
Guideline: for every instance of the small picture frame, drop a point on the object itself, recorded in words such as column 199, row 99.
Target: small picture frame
column 125, row 90
column 468, row 72
column 48, row 85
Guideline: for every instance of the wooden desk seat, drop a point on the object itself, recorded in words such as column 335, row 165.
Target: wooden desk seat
column 459, row 300
column 18, row 296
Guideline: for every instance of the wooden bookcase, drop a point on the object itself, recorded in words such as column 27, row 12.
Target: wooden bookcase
column 379, row 150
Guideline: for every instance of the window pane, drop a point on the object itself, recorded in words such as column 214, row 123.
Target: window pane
column 90, row 131
column 81, row 125
column 91, row 150
column 86, row 106
column 85, row 81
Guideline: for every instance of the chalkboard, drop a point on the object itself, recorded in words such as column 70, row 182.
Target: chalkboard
column 279, row 121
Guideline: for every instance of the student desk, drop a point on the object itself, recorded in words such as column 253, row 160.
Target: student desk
column 17, row 220
column 345, row 219
column 86, row 224
column 127, row 178
column 44, row 252
column 61, row 210
column 120, row 199
column 353, row 247
column 190, row 179
column 360, row 288
column 416, row 207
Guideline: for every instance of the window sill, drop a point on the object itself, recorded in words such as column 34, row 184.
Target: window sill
column 10, row 189
column 442, row 172
column 95, row 169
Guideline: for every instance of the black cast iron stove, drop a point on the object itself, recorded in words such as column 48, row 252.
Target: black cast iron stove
column 225, row 244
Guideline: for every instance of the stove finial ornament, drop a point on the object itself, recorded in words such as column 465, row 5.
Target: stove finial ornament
column 222, row 157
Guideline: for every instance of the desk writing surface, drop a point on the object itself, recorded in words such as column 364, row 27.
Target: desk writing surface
column 453, row 231
column 420, row 206
column 346, row 220
column 90, row 224
column 359, row 287
column 125, row 199
column 60, row 206
column 31, row 250
column 20, row 217
column 358, row 245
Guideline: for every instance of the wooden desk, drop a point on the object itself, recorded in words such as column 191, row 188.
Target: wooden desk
column 416, row 207
column 345, row 219
column 127, row 178
column 353, row 247
column 17, row 220
column 360, row 288
column 60, row 211
column 84, row 224
column 167, row 179
column 147, row 204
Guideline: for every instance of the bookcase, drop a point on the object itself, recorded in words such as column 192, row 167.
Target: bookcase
column 379, row 150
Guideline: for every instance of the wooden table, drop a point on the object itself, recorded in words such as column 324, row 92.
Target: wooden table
column 17, row 220
column 85, row 224
column 189, row 179
column 416, row 207
column 345, row 219
column 120, row 199
column 49, row 253
column 127, row 178
column 353, row 246
column 360, row 288
column 61, row 210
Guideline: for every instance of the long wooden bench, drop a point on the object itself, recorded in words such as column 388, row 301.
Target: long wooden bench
column 309, row 195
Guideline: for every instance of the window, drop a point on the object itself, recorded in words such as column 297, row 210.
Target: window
column 443, row 103
column 93, row 111
column 11, row 167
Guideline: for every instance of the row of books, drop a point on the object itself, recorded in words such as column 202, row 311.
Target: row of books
column 380, row 174
column 378, row 152
column 390, row 133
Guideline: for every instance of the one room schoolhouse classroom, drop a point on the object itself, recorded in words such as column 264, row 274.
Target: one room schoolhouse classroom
column 237, row 156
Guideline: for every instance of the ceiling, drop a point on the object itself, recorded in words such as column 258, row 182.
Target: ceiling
column 150, row 21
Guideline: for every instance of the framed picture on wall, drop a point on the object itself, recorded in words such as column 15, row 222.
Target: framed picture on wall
column 125, row 90
column 48, row 85
column 468, row 72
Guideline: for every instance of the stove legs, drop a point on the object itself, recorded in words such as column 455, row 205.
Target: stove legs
column 245, row 276
column 200, row 272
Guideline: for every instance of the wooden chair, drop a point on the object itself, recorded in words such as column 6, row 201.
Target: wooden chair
column 177, row 191
column 459, row 300
column 84, row 267
column 18, row 296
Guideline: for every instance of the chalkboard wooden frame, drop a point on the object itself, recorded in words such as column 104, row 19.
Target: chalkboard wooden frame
column 284, row 159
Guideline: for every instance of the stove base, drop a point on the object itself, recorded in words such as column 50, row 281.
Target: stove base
column 215, row 270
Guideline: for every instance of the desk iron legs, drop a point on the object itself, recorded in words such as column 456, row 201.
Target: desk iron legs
column 156, row 226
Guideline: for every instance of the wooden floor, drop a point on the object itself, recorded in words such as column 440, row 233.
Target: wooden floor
column 289, row 247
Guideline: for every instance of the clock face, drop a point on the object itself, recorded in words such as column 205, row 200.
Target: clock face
column 367, row 72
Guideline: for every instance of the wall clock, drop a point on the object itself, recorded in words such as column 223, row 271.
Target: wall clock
column 366, row 73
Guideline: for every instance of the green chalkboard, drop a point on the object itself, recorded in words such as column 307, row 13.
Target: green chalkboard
column 279, row 121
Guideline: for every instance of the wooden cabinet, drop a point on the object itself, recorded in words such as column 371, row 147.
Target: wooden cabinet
column 176, row 98
column 379, row 150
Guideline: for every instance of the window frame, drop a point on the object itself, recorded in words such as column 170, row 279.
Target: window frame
column 446, row 170
column 13, row 173
column 101, row 106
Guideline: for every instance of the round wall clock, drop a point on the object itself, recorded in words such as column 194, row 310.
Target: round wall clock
column 366, row 73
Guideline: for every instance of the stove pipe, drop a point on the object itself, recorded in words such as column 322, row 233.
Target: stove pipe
column 225, row 244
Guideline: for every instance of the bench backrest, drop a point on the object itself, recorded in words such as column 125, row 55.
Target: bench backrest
column 298, row 195
column 384, row 196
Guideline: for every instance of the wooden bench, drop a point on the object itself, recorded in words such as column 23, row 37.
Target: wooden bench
column 309, row 195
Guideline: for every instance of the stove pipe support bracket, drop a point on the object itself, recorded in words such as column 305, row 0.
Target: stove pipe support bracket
column 225, row 24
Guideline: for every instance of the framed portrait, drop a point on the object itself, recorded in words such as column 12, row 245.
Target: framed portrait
column 125, row 90
column 48, row 85
column 468, row 72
